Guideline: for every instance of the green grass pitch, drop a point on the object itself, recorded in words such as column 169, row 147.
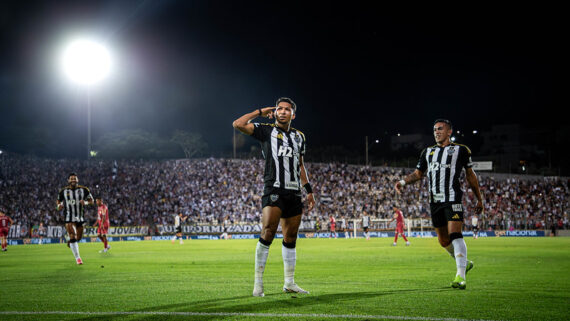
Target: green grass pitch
column 513, row 279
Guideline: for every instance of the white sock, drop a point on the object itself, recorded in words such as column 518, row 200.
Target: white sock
column 460, row 256
column 289, row 261
column 261, row 253
column 450, row 250
column 74, row 249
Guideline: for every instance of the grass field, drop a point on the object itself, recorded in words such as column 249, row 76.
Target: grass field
column 513, row 279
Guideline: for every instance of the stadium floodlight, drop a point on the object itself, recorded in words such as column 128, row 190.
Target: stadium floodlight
column 474, row 132
column 86, row 62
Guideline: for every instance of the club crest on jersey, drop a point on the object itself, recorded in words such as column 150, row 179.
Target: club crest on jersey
column 280, row 136
column 274, row 197
column 451, row 149
column 298, row 139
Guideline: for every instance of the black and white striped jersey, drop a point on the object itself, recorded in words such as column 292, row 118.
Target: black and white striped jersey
column 71, row 197
column 443, row 166
column 282, row 152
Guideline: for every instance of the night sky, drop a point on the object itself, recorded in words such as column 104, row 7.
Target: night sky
column 354, row 69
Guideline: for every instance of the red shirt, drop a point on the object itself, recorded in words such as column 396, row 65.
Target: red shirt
column 332, row 221
column 4, row 221
column 103, row 215
column 399, row 218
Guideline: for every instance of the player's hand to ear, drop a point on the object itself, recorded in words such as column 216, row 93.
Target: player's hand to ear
column 398, row 187
column 268, row 112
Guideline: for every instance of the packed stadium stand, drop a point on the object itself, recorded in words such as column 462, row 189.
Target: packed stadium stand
column 213, row 190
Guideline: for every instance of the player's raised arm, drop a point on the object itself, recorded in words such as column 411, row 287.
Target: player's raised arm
column 471, row 178
column 244, row 125
column 410, row 179
column 306, row 185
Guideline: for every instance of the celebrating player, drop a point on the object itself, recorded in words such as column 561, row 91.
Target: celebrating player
column 443, row 163
column 283, row 148
column 178, row 219
column 74, row 198
column 102, row 224
column 5, row 222
column 399, row 217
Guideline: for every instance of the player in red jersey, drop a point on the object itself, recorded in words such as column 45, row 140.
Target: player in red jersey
column 102, row 224
column 5, row 222
column 399, row 217
column 332, row 223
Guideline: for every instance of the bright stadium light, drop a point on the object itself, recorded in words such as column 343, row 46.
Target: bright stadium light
column 86, row 62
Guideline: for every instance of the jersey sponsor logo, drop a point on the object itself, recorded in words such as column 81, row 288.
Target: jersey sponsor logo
column 274, row 197
column 285, row 151
column 437, row 166
column 280, row 136
column 457, row 208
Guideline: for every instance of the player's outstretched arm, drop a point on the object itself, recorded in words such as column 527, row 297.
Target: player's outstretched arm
column 473, row 182
column 243, row 123
column 305, row 181
column 410, row 179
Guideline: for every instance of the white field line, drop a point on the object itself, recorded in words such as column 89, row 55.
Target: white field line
column 238, row 314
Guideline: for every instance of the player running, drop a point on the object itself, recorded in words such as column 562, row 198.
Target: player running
column 102, row 224
column 5, row 222
column 74, row 198
column 283, row 149
column 399, row 217
column 443, row 164
column 178, row 219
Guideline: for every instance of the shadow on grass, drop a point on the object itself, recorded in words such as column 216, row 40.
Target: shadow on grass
column 269, row 304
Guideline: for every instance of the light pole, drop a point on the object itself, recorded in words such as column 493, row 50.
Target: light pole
column 368, row 148
column 86, row 62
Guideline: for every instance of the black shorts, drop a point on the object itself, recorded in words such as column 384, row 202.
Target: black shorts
column 365, row 228
column 179, row 229
column 290, row 204
column 441, row 213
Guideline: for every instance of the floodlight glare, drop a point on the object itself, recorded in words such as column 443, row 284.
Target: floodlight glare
column 86, row 62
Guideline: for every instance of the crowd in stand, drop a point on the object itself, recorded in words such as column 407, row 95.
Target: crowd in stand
column 211, row 190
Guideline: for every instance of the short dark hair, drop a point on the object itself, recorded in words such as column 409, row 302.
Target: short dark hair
column 287, row 100
column 443, row 120
column 71, row 174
